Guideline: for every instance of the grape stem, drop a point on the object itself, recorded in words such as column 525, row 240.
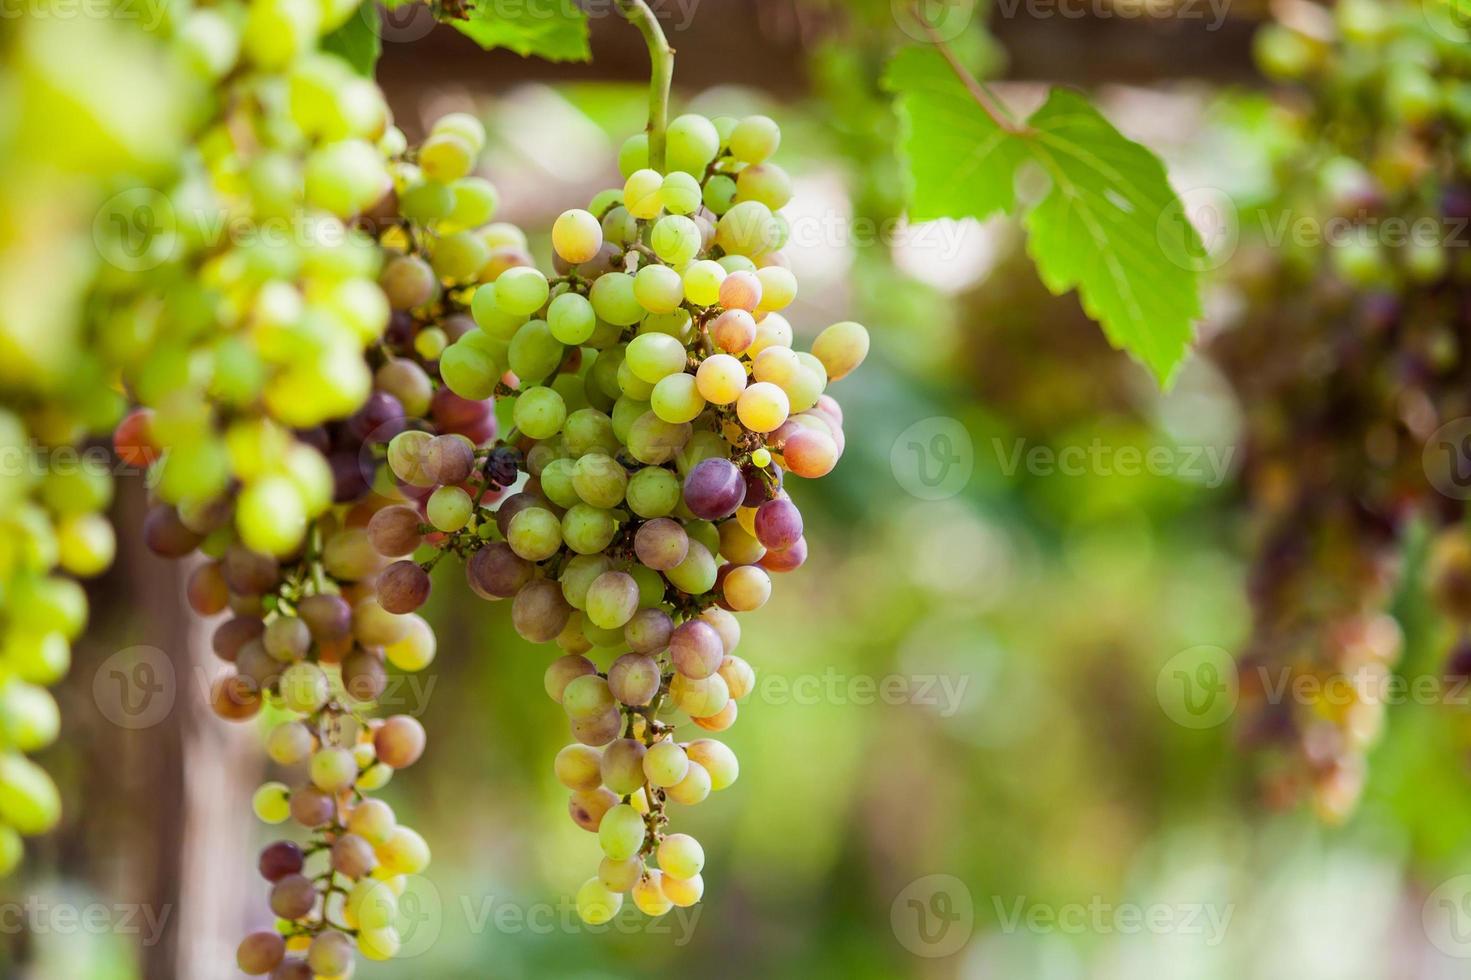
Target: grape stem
column 989, row 103
column 661, row 61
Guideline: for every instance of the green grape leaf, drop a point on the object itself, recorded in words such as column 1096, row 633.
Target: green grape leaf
column 961, row 163
column 552, row 29
column 1112, row 228
column 357, row 41
column 1109, row 226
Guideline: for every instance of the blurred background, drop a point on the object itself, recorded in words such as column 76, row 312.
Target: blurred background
column 974, row 749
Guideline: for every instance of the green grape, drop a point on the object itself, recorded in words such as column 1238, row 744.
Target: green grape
column 778, row 287
column 702, row 282
column 675, row 239
column 748, row 229
column 270, row 516
column 596, row 905
column 599, row 480
column 692, row 142
column 427, row 203
column 556, row 483
column 572, row 319
column 589, row 430
column 587, row 529
column 475, row 203
column 681, row 855
column 658, row 288
column 459, row 256
column 633, row 155
column 641, row 194
column 446, row 157
column 344, row 178
column 333, row 769
column 29, row 717
column 654, row 356
column 677, row 398
column 767, row 183
column 463, row 125
column 696, row 574
column 621, row 833
column 578, row 576
column 540, row 412
column 625, row 411
column 653, row 492
column 276, row 31
column 535, row 534
column 521, row 291
column 652, row 440
column 680, row 193
column 719, row 194
column 631, row 385
column 449, row 508
column 491, row 318
column 272, row 803
column 468, row 371
column 666, row 764
column 614, row 300
column 755, row 139
column 620, row 227
column 534, row 353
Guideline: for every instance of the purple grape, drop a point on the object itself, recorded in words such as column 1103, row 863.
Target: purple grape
column 281, row 859
column 349, row 481
column 497, row 572
column 778, row 524
column 714, row 489
column 403, row 586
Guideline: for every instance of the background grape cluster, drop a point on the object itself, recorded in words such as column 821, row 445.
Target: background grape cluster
column 1366, row 337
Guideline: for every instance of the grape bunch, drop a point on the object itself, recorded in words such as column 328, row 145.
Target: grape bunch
column 659, row 406
column 1352, row 356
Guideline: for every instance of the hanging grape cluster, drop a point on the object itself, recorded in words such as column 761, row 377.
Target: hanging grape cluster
column 1352, row 358
column 658, row 406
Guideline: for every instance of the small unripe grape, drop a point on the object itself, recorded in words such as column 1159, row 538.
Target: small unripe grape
column 271, row 802
column 333, row 769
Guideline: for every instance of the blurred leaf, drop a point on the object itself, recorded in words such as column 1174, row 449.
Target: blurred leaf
column 550, row 29
column 356, row 41
column 1106, row 229
column 1109, row 226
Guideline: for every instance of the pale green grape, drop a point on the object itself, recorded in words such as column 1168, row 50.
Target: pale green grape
column 521, row 291
column 571, row 318
column 677, row 398
column 702, row 282
column 556, row 483
column 427, row 203
column 468, row 371
column 534, row 353
column 675, row 239
column 612, row 599
column 641, row 194
column 587, row 529
column 599, row 480
column 540, row 412
column 459, row 256
column 535, row 534
column 719, row 194
column 614, row 300
column 696, row 574
column 449, row 508
column 589, row 430
column 653, row 492
column 596, row 904
column 748, row 229
column 755, row 139
column 579, row 575
column 652, row 440
column 270, row 516
column 446, row 157
column 631, row 385
column 658, row 288
column 666, row 764
column 692, row 143
column 463, row 125
column 476, row 201
column 767, row 183
column 654, row 356
column 633, row 155
column 680, row 193
column 621, row 834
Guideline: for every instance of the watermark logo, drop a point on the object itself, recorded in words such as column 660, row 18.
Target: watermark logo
column 402, row 23
column 136, row 230
column 135, row 688
column 1217, row 224
column 1447, row 459
column 934, row 916
column 933, row 21
column 420, row 917
column 933, row 459
column 1451, row 19
column 1446, row 917
column 1198, row 687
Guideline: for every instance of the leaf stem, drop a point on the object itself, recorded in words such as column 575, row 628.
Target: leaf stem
column 988, row 102
column 661, row 63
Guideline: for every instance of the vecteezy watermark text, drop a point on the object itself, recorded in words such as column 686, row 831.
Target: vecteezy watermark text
column 1206, row 465
column 1098, row 916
